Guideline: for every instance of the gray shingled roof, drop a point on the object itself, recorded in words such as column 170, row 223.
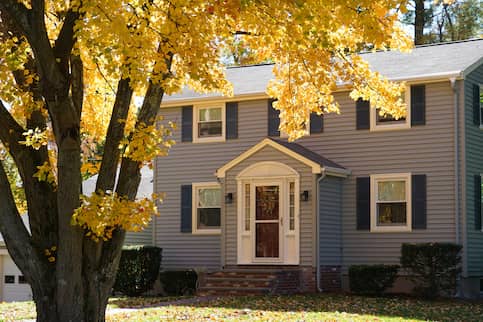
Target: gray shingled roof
column 309, row 154
column 423, row 61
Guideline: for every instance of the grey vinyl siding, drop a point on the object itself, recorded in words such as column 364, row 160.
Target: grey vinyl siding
column 426, row 149
column 474, row 166
column 330, row 229
column 144, row 237
column 197, row 162
column 306, row 217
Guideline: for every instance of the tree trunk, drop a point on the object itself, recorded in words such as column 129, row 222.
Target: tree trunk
column 419, row 22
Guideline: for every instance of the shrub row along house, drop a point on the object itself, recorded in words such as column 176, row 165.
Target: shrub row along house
column 241, row 201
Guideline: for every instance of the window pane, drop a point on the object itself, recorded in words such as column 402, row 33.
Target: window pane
column 267, row 240
column 210, row 129
column 208, row 218
column 388, row 118
column 247, row 207
column 391, row 190
column 209, row 198
column 391, row 213
column 267, row 203
column 22, row 280
column 292, row 206
column 9, row 279
column 210, row 114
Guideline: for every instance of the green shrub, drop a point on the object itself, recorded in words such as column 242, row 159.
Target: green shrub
column 372, row 279
column 179, row 282
column 433, row 267
column 138, row 269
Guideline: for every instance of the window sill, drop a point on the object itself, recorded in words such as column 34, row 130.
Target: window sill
column 206, row 232
column 391, row 229
column 208, row 140
column 390, row 127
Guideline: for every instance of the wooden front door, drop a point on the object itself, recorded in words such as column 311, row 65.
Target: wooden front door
column 267, row 222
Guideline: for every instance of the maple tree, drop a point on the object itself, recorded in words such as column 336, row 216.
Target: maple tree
column 70, row 73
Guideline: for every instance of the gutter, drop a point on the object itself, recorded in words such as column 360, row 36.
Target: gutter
column 317, row 230
column 456, row 158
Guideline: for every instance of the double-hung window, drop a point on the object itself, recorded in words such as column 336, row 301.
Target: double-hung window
column 209, row 123
column 389, row 122
column 206, row 208
column 391, row 202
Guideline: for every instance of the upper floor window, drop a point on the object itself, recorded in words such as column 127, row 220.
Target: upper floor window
column 391, row 205
column 206, row 208
column 389, row 122
column 209, row 123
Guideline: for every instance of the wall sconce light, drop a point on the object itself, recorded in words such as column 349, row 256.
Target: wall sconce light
column 304, row 196
column 229, row 198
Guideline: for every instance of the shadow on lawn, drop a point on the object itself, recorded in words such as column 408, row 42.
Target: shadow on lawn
column 380, row 307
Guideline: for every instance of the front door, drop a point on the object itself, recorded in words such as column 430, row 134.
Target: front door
column 267, row 222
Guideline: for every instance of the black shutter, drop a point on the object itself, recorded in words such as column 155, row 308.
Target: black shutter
column 477, row 202
column 316, row 123
column 231, row 120
column 418, row 105
column 362, row 114
column 273, row 119
column 187, row 124
column 418, row 199
column 476, row 104
column 186, row 202
column 363, row 195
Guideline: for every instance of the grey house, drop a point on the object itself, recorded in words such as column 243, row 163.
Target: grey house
column 241, row 200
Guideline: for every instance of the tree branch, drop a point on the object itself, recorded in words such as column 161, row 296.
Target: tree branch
column 115, row 133
column 15, row 233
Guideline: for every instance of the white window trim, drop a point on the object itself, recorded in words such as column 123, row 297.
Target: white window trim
column 194, row 209
column 481, row 201
column 481, row 109
column 397, row 125
column 196, row 108
column 384, row 177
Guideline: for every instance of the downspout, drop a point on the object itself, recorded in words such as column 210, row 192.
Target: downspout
column 317, row 229
column 456, row 158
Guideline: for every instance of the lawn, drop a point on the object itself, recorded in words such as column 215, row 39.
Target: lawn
column 280, row 308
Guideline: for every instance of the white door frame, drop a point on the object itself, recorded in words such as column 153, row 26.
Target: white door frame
column 268, row 174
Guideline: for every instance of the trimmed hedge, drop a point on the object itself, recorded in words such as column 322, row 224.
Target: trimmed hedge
column 179, row 282
column 138, row 269
column 434, row 267
column 372, row 279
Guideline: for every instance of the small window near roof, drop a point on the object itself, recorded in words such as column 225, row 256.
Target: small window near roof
column 209, row 123
column 22, row 280
column 391, row 205
column 388, row 121
column 206, row 210
column 9, row 279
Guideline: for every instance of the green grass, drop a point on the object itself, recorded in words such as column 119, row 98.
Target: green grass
column 279, row 308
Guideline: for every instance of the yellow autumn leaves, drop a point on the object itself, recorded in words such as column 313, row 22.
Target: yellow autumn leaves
column 101, row 213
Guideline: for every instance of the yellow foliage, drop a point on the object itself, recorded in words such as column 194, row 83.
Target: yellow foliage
column 315, row 47
column 46, row 173
column 100, row 213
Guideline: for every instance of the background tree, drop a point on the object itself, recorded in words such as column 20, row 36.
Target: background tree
column 439, row 21
column 69, row 71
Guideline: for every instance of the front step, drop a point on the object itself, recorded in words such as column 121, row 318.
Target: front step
column 238, row 282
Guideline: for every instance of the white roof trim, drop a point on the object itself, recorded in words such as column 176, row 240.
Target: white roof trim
column 433, row 77
column 336, row 172
column 221, row 172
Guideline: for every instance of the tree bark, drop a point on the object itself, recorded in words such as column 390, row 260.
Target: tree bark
column 419, row 22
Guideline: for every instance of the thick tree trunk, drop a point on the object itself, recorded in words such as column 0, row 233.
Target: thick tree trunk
column 419, row 22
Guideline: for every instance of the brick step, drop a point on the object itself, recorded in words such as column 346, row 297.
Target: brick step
column 203, row 291
column 237, row 282
column 242, row 275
